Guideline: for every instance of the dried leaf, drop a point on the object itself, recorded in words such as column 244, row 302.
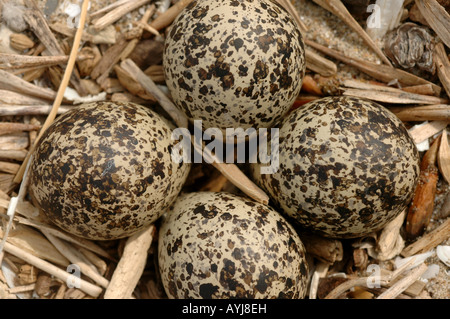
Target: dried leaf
column 444, row 157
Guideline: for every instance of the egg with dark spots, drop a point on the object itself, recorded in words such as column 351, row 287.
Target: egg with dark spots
column 234, row 63
column 104, row 170
column 223, row 246
column 347, row 166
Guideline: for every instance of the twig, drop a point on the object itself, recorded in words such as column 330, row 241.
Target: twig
column 439, row 112
column 429, row 240
column 61, row 90
column 85, row 286
column 108, row 8
column 387, row 94
column 380, row 72
column 19, row 110
column 131, row 266
column 168, row 16
column 20, row 61
column 319, row 64
column 117, row 13
column 87, row 244
column 337, row 8
column 74, row 258
column 404, row 283
column 11, row 82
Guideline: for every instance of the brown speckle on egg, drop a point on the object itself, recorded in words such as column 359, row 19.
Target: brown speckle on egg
column 222, row 246
column 104, row 170
column 234, row 63
column 347, row 166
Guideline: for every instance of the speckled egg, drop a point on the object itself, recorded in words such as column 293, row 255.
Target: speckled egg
column 234, row 63
column 104, row 170
column 347, row 166
column 221, row 246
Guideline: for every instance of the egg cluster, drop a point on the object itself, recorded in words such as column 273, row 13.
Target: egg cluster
column 347, row 166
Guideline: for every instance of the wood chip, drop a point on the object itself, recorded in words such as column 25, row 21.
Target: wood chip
column 421, row 133
column 131, row 265
column 166, row 18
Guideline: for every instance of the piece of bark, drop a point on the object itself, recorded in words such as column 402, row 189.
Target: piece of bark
column 108, row 60
column 390, row 243
column 19, row 61
column 132, row 85
column 419, row 213
column 131, row 265
column 325, row 249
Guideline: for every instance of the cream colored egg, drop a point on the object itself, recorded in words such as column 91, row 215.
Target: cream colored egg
column 221, row 246
column 347, row 166
column 104, row 170
column 234, row 63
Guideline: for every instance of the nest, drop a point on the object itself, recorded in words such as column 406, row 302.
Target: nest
column 49, row 66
